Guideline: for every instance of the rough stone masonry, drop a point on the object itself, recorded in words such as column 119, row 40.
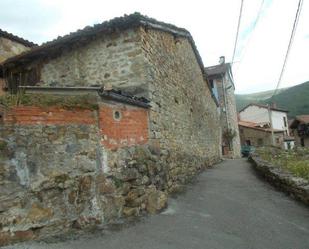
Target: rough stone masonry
column 68, row 173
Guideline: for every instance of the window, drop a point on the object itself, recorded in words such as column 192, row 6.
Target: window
column 285, row 122
column 260, row 142
column 117, row 115
column 277, row 140
column 248, row 142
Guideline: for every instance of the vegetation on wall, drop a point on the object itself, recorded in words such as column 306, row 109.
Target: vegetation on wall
column 229, row 134
column 295, row 161
column 85, row 101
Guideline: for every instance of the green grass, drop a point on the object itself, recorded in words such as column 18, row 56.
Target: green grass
column 293, row 161
column 85, row 101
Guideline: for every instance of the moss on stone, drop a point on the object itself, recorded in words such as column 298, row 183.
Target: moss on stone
column 85, row 101
column 3, row 145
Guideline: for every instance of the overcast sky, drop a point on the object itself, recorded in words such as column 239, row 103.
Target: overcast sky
column 212, row 23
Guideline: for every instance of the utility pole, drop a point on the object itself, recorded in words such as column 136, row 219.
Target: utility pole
column 271, row 125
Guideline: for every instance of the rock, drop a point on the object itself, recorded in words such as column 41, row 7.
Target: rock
column 130, row 211
column 104, row 186
column 130, row 174
column 156, row 201
column 39, row 214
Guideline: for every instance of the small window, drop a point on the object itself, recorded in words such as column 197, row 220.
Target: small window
column 277, row 140
column 241, row 131
column 285, row 122
column 248, row 142
column 117, row 115
column 260, row 142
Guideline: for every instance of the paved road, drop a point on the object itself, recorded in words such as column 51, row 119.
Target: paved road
column 229, row 207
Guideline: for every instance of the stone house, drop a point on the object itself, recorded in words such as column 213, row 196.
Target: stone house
column 153, row 128
column 258, row 135
column 260, row 116
column 300, row 130
column 11, row 45
column 222, row 85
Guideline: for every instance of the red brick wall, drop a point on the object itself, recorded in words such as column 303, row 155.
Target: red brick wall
column 130, row 129
column 30, row 115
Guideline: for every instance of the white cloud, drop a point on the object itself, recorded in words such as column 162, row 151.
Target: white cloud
column 211, row 23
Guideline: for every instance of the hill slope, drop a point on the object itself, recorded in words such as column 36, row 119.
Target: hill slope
column 295, row 99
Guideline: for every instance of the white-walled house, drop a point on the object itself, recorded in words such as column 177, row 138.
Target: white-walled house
column 257, row 113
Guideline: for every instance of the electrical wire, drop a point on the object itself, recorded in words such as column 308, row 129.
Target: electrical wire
column 300, row 3
column 257, row 18
column 237, row 32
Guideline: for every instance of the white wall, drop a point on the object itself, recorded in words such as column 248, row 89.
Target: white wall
column 258, row 114
column 278, row 123
column 254, row 114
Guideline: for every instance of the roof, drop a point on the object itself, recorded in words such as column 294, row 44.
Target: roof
column 108, row 27
column 16, row 38
column 264, row 106
column 218, row 69
column 116, row 95
column 256, row 126
column 301, row 119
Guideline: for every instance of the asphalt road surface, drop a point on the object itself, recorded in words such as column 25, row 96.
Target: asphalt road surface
column 228, row 207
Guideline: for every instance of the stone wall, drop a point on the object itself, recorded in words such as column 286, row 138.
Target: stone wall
column 183, row 118
column 229, row 118
column 56, row 176
column 294, row 186
column 110, row 168
column 109, row 59
column 259, row 137
column 9, row 48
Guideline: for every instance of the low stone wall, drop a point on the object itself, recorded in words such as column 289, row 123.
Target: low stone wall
column 295, row 186
column 60, row 170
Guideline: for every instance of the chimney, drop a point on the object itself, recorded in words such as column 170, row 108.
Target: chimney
column 222, row 60
column 273, row 105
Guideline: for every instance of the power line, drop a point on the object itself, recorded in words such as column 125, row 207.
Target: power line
column 237, row 32
column 257, row 18
column 300, row 3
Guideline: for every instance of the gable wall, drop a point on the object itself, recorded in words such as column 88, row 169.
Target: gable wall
column 183, row 118
column 9, row 48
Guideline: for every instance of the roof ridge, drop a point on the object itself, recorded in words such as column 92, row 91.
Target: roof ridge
column 17, row 38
